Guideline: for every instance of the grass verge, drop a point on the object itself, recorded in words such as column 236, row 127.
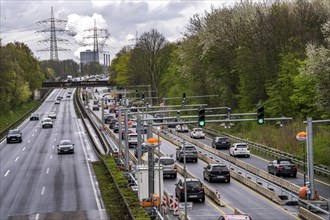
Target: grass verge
column 112, row 199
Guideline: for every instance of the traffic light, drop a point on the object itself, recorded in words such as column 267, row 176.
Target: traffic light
column 120, row 96
column 201, row 117
column 143, row 97
column 261, row 115
column 184, row 96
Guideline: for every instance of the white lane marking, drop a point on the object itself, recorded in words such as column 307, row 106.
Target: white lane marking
column 7, row 172
column 16, row 159
column 36, row 130
column 43, row 190
column 55, row 134
column 53, row 146
column 51, row 156
column 29, row 141
column 37, row 216
column 56, row 129
column 23, row 148
column 47, row 171
column 32, row 135
column 54, row 139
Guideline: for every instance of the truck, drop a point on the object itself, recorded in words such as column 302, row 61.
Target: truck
column 69, row 78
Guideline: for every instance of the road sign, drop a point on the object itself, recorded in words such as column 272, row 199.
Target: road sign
column 189, row 205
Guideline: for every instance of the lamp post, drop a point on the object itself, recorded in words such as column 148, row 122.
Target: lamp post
column 302, row 136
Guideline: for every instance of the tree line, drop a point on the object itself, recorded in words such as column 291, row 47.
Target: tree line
column 276, row 54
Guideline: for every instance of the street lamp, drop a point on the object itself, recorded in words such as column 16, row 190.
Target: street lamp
column 302, row 136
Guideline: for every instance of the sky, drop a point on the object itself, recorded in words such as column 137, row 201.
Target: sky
column 118, row 22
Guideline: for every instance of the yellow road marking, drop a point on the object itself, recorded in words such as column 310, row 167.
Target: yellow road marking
column 217, row 207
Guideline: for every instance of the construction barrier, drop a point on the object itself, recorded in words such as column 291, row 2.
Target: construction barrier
column 176, row 207
column 164, row 204
column 171, row 202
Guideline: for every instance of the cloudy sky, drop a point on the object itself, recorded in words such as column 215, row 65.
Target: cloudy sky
column 118, row 22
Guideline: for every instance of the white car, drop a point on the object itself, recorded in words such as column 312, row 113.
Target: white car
column 181, row 128
column 239, row 149
column 197, row 133
column 52, row 115
column 132, row 139
column 47, row 123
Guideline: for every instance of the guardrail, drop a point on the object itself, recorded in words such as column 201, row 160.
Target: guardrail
column 320, row 169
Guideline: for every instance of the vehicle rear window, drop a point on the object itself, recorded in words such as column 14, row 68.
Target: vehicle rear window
column 198, row 129
column 166, row 161
column 194, row 184
column 14, row 132
column 190, row 148
column 241, row 146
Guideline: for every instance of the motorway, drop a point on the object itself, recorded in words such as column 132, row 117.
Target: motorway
column 234, row 194
column 36, row 182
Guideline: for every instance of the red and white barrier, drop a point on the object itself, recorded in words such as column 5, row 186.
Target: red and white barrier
column 171, row 202
column 164, row 203
column 176, row 207
column 219, row 198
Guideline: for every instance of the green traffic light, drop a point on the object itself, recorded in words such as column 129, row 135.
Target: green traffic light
column 201, row 123
column 261, row 121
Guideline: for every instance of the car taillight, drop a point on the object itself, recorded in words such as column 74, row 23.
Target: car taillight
column 201, row 189
column 181, row 189
column 280, row 168
column 294, row 168
column 174, row 167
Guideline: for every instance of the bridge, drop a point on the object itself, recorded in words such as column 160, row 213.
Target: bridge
column 75, row 84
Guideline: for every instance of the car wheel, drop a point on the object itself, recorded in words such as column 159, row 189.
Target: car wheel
column 174, row 176
column 20, row 141
column 203, row 200
column 227, row 180
column 8, row 141
column 196, row 160
column 204, row 176
column 210, row 179
column 275, row 173
column 294, row 175
column 247, row 156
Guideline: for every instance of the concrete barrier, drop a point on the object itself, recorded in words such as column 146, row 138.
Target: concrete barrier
column 307, row 215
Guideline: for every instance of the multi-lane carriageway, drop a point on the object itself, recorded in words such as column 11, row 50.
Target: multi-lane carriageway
column 36, row 183
column 235, row 194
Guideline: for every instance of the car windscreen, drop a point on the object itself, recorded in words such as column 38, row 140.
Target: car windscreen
column 219, row 168
column 222, row 139
column 198, row 129
column 47, row 120
column 190, row 148
column 65, row 142
column 14, row 132
column 166, row 161
column 284, row 162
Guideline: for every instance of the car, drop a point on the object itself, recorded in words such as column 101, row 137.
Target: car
column 235, row 217
column 216, row 172
column 181, row 128
column 112, row 123
column 68, row 96
column 69, row 92
column 239, row 149
column 57, row 102
column 144, row 149
column 47, row 123
column 108, row 118
column 65, row 146
column 197, row 133
column 190, row 151
column 195, row 190
column 172, row 121
column 112, row 109
column 95, row 102
column 158, row 118
column 282, row 167
column 169, row 166
column 96, row 108
column 123, row 135
column 14, row 135
column 59, row 98
column 34, row 117
column 116, row 127
column 132, row 139
column 221, row 142
column 52, row 115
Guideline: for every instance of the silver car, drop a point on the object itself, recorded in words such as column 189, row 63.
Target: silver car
column 197, row 133
column 52, row 115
